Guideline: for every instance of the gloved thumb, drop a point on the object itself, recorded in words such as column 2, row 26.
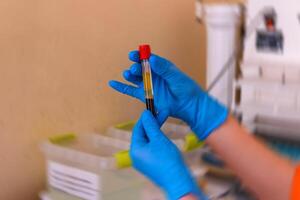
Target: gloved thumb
column 138, row 137
column 162, row 116
column 162, row 67
column 151, row 126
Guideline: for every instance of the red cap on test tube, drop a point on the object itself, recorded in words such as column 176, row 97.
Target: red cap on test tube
column 145, row 51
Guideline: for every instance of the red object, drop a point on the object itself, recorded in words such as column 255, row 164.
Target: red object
column 296, row 185
column 270, row 24
column 145, row 51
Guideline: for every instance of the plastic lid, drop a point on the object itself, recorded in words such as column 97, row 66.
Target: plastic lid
column 145, row 51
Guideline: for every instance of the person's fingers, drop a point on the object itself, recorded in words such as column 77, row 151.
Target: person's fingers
column 160, row 66
column 136, row 69
column 132, row 78
column 134, row 56
column 151, row 126
column 138, row 138
column 162, row 116
column 127, row 89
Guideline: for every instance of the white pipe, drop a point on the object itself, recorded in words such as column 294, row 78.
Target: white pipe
column 221, row 25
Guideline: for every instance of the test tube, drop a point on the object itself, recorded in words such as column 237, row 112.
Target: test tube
column 145, row 52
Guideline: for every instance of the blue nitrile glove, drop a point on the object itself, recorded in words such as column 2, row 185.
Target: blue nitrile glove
column 155, row 156
column 174, row 93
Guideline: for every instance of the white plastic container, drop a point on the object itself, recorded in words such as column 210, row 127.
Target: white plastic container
column 151, row 192
column 181, row 135
column 277, row 97
column 174, row 131
column 272, row 73
column 86, row 167
column 292, row 74
column 57, row 195
column 250, row 71
column 221, row 24
column 54, row 194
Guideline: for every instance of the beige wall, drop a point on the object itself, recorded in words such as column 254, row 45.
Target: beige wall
column 56, row 57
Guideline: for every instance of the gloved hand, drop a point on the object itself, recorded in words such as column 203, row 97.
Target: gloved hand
column 174, row 93
column 155, row 156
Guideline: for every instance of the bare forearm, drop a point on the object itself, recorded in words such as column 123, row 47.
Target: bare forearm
column 266, row 174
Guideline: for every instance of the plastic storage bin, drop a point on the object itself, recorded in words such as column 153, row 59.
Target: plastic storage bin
column 125, row 194
column 58, row 195
column 85, row 166
column 181, row 135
